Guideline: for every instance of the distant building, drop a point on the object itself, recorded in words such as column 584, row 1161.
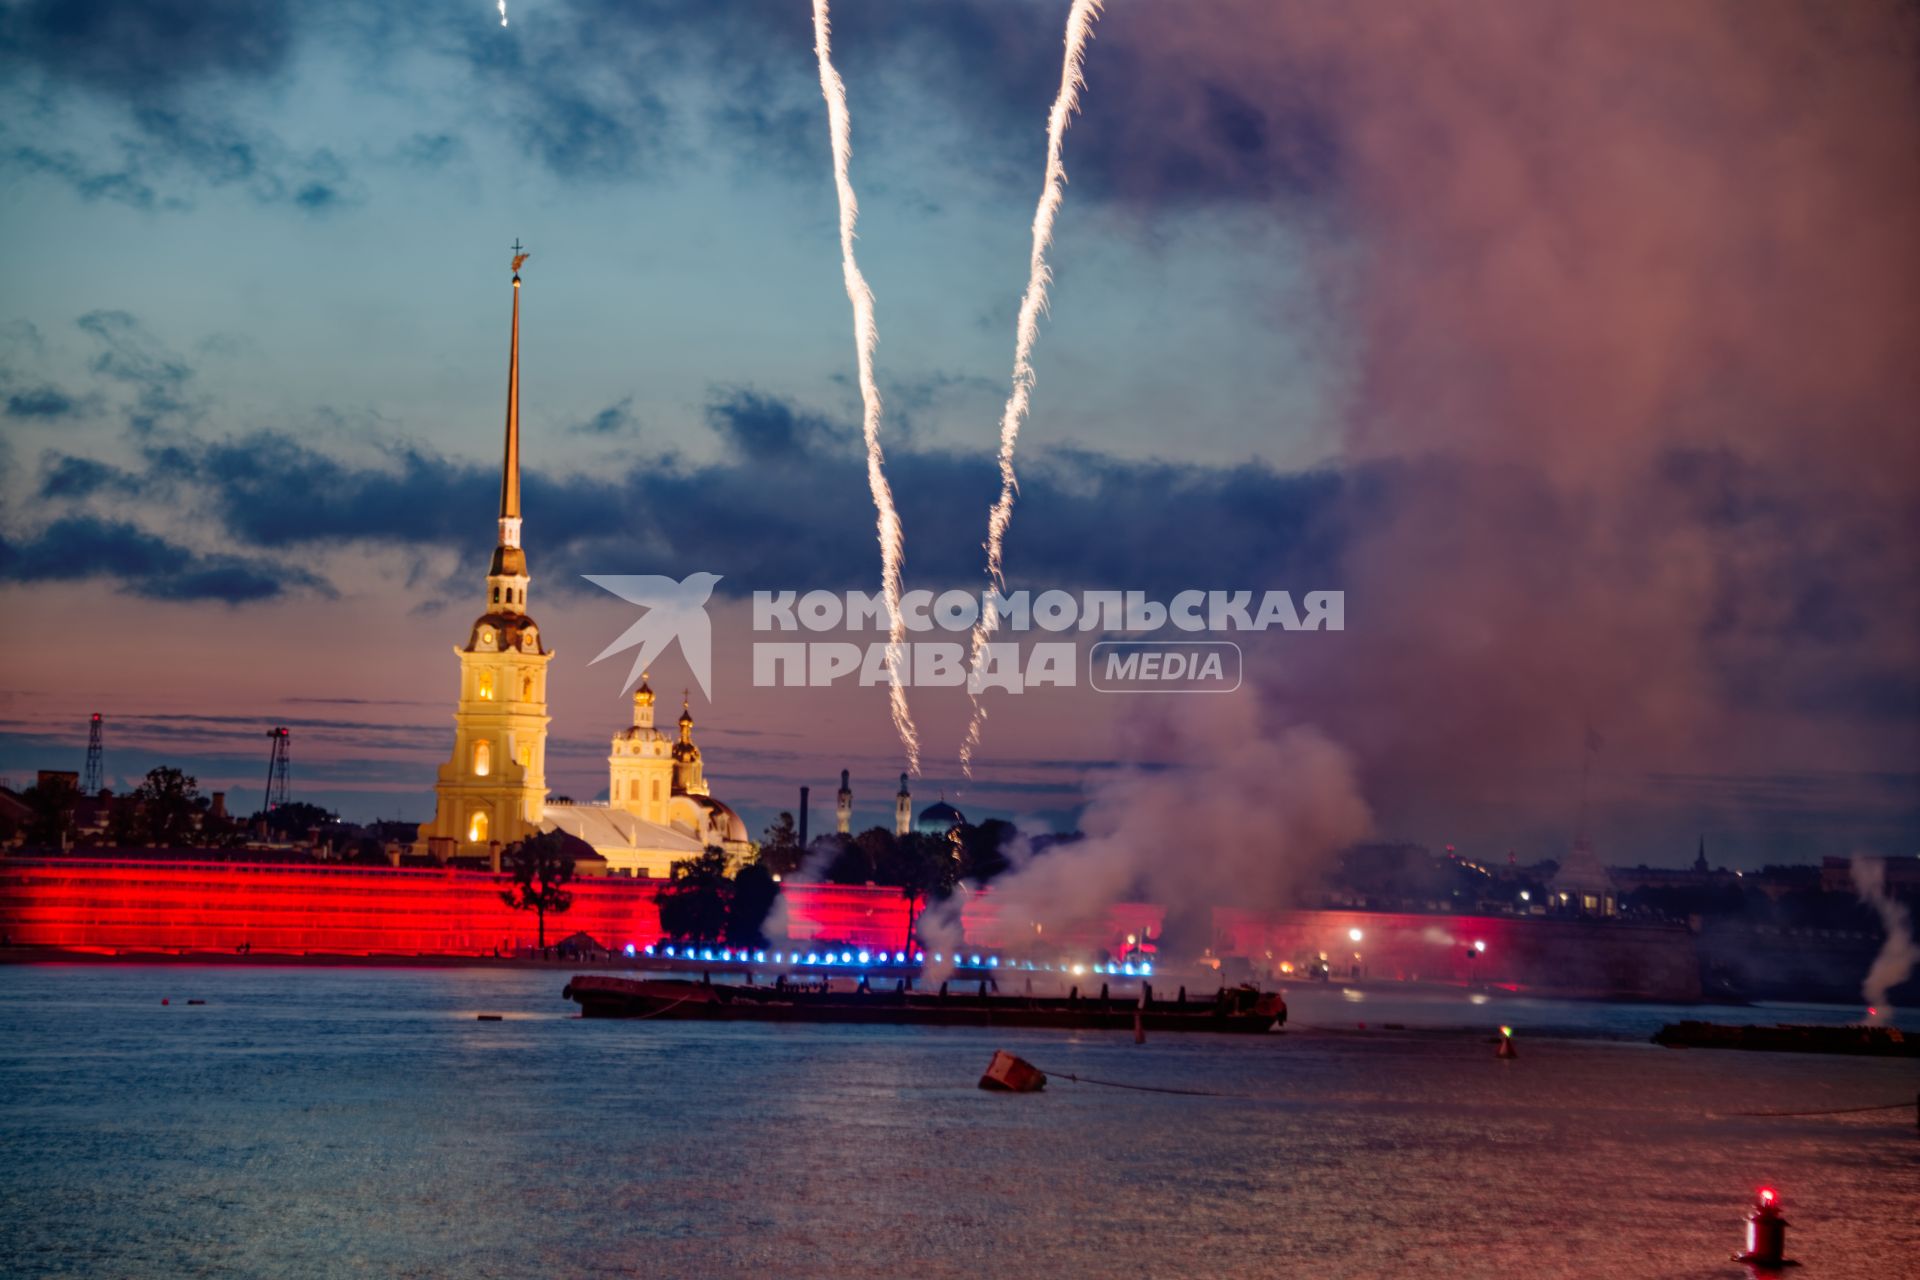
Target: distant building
column 1900, row 875
column 1582, row 884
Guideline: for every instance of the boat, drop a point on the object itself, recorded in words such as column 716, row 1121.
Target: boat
column 1874, row 1041
column 1242, row 1009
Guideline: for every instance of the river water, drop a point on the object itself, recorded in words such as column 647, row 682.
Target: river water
column 333, row 1122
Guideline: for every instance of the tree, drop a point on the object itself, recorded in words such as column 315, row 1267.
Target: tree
column 697, row 899
column 539, row 867
column 50, row 803
column 126, row 828
column 983, row 849
column 921, row 867
column 780, row 851
column 754, row 893
column 169, row 804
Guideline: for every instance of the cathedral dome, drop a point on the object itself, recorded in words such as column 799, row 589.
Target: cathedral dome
column 939, row 819
column 725, row 822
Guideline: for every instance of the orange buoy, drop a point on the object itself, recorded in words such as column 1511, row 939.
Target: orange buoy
column 1008, row 1074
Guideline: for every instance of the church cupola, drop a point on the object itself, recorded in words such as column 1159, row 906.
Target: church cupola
column 688, row 776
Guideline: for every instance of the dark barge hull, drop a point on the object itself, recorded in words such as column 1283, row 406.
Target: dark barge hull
column 1238, row 1011
column 1870, row 1041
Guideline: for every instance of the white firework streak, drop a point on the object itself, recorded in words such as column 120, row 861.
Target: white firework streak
column 1033, row 304
column 503, row 12
column 866, row 333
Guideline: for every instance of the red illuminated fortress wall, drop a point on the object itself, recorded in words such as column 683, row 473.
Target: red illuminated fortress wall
column 126, row 904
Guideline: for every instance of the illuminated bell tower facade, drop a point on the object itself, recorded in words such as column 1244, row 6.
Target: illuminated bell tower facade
column 640, row 768
column 903, row 809
column 843, row 805
column 493, row 791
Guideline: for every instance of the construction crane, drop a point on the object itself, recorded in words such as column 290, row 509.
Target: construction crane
column 278, row 769
column 93, row 778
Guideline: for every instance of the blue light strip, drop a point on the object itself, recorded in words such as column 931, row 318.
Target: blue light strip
column 877, row 959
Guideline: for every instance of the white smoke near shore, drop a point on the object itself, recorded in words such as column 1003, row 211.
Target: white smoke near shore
column 1898, row 954
column 1239, row 814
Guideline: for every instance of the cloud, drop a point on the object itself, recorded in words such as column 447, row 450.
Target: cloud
column 41, row 402
column 140, row 48
column 759, row 426
column 614, row 420
column 130, row 354
column 80, row 547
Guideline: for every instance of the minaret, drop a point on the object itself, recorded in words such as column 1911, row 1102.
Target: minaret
column 493, row 791
column 903, row 809
column 843, row 805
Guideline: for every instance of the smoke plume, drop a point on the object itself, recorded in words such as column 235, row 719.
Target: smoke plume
column 1898, row 954
column 1223, row 809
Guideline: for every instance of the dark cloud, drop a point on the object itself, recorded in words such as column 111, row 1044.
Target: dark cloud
column 615, row 420
column 80, row 547
column 41, row 402
column 68, row 477
column 762, row 427
column 139, row 48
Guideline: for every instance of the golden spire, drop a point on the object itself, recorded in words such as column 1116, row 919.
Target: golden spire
column 510, row 471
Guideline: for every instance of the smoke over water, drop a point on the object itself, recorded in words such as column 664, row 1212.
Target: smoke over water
column 1898, row 954
column 1238, row 813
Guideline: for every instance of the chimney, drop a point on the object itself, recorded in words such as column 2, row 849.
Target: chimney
column 803, row 817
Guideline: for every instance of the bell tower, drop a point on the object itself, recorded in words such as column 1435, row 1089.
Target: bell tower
column 493, row 791
column 843, row 805
column 640, row 768
column 903, row 809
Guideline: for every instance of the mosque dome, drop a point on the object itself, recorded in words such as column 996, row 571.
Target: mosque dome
column 939, row 819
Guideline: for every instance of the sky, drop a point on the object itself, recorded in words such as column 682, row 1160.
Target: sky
column 1574, row 345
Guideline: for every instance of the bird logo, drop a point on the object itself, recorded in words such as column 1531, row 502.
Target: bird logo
column 673, row 611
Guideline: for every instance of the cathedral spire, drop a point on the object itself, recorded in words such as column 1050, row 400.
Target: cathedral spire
column 510, row 467
column 507, row 575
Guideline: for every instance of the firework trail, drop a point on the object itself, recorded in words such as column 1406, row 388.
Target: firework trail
column 503, row 12
column 865, row 333
column 1033, row 303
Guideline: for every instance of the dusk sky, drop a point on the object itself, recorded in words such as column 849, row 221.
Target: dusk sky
column 1576, row 344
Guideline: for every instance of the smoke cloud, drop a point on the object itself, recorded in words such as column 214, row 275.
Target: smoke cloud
column 1898, row 954
column 1634, row 290
column 1232, row 811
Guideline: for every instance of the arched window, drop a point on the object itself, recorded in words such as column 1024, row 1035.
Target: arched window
column 525, row 755
column 485, row 685
column 482, row 758
column 526, row 688
column 656, row 790
column 477, row 827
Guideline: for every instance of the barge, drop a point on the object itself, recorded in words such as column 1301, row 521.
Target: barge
column 1232, row 1009
column 1872, row 1041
